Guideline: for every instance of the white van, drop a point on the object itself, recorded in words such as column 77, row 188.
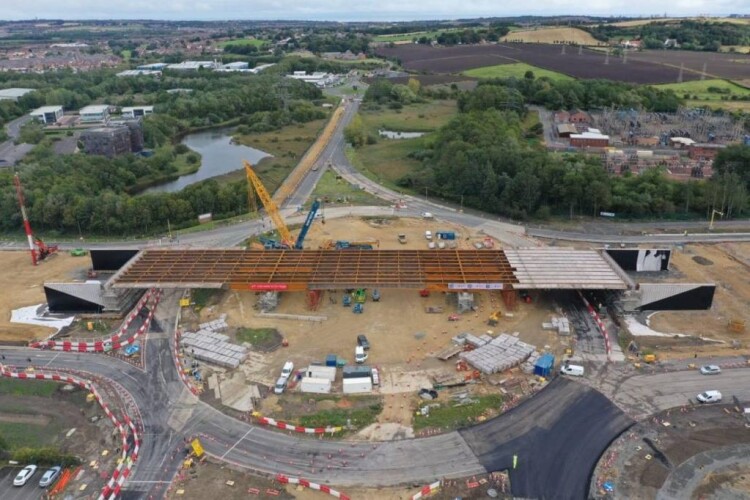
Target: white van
column 709, row 397
column 287, row 370
column 280, row 385
column 572, row 370
column 428, row 235
column 360, row 356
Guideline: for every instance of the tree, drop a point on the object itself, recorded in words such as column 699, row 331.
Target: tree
column 734, row 159
column 355, row 133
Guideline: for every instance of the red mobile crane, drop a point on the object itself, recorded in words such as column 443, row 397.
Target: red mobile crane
column 39, row 250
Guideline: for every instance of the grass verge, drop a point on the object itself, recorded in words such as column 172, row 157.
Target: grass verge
column 256, row 335
column 287, row 145
column 16, row 387
column 515, row 70
column 365, row 161
column 359, row 418
column 333, row 190
column 449, row 416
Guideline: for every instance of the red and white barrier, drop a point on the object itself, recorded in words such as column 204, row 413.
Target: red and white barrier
column 114, row 341
column 427, row 490
column 178, row 363
column 112, row 489
column 295, row 428
column 313, row 486
column 599, row 323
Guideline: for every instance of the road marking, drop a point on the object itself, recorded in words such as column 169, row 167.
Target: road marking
column 130, row 481
column 238, row 442
column 51, row 360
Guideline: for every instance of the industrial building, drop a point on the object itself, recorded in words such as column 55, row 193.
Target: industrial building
column 109, row 141
column 317, row 78
column 137, row 111
column 193, row 65
column 236, row 65
column 96, row 113
column 590, row 139
column 139, row 72
column 48, row 114
column 13, row 94
column 704, row 151
column 152, row 66
column 566, row 129
column 135, row 127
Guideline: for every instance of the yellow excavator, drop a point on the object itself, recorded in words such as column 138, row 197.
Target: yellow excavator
column 494, row 318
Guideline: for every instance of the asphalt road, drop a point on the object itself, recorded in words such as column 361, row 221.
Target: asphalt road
column 557, row 436
column 29, row 491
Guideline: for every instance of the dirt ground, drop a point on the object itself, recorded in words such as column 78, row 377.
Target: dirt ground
column 736, row 479
column 635, row 469
column 727, row 265
column 22, row 285
column 208, row 480
column 401, row 334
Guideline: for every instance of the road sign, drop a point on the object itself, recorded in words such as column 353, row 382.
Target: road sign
column 197, row 447
column 269, row 287
column 475, row 286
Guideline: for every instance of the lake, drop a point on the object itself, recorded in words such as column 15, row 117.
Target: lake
column 218, row 156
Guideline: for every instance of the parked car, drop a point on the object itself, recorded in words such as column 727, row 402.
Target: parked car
column 428, row 235
column 573, row 370
column 362, row 340
column 24, row 476
column 710, row 370
column 709, row 397
column 50, row 477
column 287, row 370
column 280, row 385
column 402, row 239
column 360, row 356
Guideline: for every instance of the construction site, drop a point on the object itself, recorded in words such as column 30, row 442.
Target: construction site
column 380, row 328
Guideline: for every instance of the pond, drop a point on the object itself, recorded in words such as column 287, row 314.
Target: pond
column 219, row 156
column 390, row 134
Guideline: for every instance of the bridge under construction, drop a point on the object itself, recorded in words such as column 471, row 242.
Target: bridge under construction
column 436, row 270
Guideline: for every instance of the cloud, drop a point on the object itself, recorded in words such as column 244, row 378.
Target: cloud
column 351, row 10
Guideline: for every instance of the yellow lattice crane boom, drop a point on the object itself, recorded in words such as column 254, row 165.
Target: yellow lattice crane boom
column 271, row 209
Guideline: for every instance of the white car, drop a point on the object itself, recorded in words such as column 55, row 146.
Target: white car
column 710, row 370
column 709, row 397
column 287, row 370
column 50, row 477
column 428, row 235
column 24, row 476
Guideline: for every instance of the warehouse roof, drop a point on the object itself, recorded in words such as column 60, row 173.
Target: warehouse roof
column 94, row 109
column 14, row 93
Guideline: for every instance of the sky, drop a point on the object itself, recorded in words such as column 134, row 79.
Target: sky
column 353, row 10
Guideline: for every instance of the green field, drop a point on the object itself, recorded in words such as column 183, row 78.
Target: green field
column 408, row 37
column 29, row 435
column 340, row 191
column 243, row 41
column 706, row 90
column 448, row 416
column 713, row 93
column 387, row 161
column 17, row 387
column 516, row 70
column 422, row 117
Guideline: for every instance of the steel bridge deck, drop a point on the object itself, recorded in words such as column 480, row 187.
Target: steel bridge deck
column 298, row 270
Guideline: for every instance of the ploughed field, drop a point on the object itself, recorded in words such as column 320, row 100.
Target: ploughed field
column 647, row 67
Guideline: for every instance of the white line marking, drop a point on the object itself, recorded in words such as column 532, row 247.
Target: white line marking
column 238, row 442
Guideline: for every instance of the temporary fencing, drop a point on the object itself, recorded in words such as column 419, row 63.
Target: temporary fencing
column 427, row 490
column 313, row 486
column 599, row 323
column 295, row 428
column 113, row 342
column 124, row 467
column 178, row 363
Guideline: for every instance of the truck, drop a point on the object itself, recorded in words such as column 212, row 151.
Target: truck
column 445, row 235
column 324, row 372
column 358, row 385
column 315, row 385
